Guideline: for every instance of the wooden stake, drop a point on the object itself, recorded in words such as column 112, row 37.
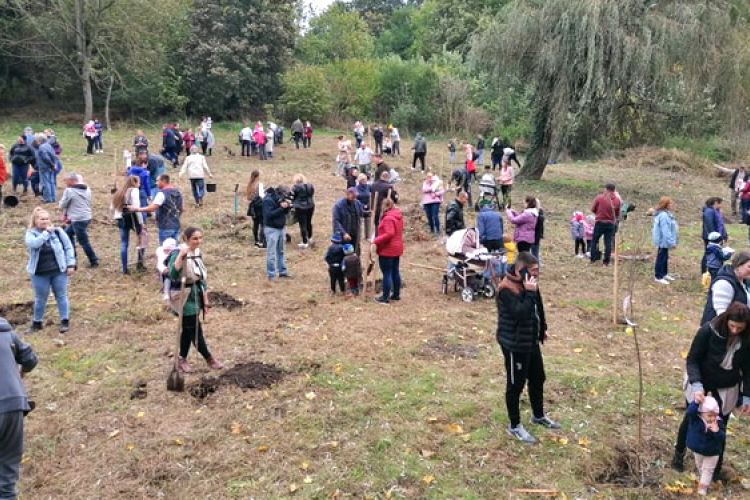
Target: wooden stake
column 422, row 266
column 615, row 281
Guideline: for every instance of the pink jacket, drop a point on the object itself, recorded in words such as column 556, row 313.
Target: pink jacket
column 428, row 196
column 525, row 223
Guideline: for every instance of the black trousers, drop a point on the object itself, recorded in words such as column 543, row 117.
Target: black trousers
column 582, row 244
column 420, row 157
column 523, row 246
column 606, row 230
column 11, row 451
column 521, row 367
column 89, row 145
column 245, row 147
column 258, row 235
column 337, row 276
column 379, row 146
column 189, row 326
column 492, row 245
column 204, row 146
column 304, row 218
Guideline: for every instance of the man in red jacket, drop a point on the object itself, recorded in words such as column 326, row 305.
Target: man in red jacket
column 390, row 247
column 606, row 208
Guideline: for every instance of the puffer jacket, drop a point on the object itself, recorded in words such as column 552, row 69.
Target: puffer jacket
column 739, row 289
column 390, row 239
column 699, row 438
column 521, row 323
column 430, row 196
column 715, row 257
column 664, row 232
column 577, row 229
column 454, row 217
column 21, row 154
column 704, row 360
column 525, row 223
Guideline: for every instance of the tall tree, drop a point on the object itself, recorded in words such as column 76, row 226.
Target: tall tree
column 335, row 34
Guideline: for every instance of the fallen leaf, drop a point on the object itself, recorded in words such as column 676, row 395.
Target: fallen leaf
column 428, row 479
column 262, row 448
column 426, row 453
column 130, row 447
column 305, row 465
column 110, row 369
column 561, row 440
column 578, row 350
column 114, row 433
column 310, row 396
column 583, row 442
column 68, row 374
column 455, row 428
column 25, row 459
column 593, row 392
column 293, row 488
column 337, row 369
column 432, row 420
column 669, row 412
column 140, row 414
column 683, row 354
column 307, row 480
column 178, row 442
column 236, row 428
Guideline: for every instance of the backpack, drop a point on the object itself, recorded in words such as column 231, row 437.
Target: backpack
column 255, row 208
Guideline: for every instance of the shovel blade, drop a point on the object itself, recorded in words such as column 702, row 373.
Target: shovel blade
column 175, row 381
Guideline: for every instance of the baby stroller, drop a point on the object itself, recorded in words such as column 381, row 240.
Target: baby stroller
column 474, row 270
column 488, row 192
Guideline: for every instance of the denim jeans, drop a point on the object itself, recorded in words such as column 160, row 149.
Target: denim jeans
column 79, row 229
column 453, row 157
column 606, row 229
column 20, row 177
column 59, row 284
column 124, row 244
column 98, row 142
column 433, row 216
column 11, row 451
column 662, row 261
column 744, row 207
column 275, row 239
column 391, row 276
column 47, row 178
column 197, row 186
column 168, row 233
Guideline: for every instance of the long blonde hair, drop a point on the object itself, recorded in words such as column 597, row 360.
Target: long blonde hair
column 119, row 199
column 299, row 179
column 34, row 215
column 252, row 185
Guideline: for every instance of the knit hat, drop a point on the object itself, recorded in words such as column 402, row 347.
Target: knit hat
column 709, row 404
column 348, row 249
column 169, row 244
column 714, row 236
column 578, row 215
column 336, row 238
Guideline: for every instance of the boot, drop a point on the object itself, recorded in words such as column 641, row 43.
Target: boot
column 35, row 327
column 214, row 363
column 678, row 460
column 64, row 326
column 184, row 366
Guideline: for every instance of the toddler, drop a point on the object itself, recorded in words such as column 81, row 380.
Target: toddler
column 510, row 248
column 578, row 233
column 352, row 270
column 705, row 437
column 588, row 232
column 163, row 253
column 335, row 258
column 715, row 254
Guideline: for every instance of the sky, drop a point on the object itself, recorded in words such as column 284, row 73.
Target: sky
column 319, row 5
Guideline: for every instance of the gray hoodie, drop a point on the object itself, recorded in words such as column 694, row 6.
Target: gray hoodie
column 13, row 352
column 76, row 202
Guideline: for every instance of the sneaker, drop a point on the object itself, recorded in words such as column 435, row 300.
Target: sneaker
column 393, row 297
column 214, row 363
column 661, row 281
column 520, row 433
column 94, row 264
column 579, row 256
column 545, row 421
column 381, row 300
column 669, row 278
column 184, row 366
column 302, row 245
column 35, row 327
column 288, row 276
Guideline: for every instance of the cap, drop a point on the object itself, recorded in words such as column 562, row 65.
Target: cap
column 714, row 236
column 336, row 238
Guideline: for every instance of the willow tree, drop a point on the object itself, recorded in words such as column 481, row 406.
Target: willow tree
column 594, row 64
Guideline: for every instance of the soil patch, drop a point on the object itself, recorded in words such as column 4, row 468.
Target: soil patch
column 253, row 375
column 440, row 347
column 17, row 314
column 222, row 299
column 621, row 468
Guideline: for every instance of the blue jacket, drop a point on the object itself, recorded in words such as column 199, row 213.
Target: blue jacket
column 335, row 255
column 715, row 256
column 700, row 439
column 664, row 233
column 274, row 215
column 63, row 248
column 155, row 168
column 145, row 178
column 46, row 160
column 489, row 225
column 346, row 217
column 363, row 194
column 713, row 221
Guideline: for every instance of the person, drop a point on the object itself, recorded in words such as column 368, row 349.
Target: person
column 46, row 163
column 163, row 256
column 193, row 299
column 736, row 183
column 480, row 150
column 29, row 136
column 588, row 224
column 14, row 405
column 525, row 222
column 206, row 139
column 364, row 196
column 140, row 170
column 352, row 175
column 76, row 206
column 303, row 201
column 359, row 133
column 51, row 262
column 260, row 139
column 521, row 331
column 124, row 201
column 168, row 207
column 490, row 228
column 664, row 236
column 307, row 135
column 382, row 189
column 432, row 198
column 389, row 245
column 706, row 437
column 254, row 193
column 155, row 166
column 89, row 133
column 454, row 214
column 3, row 173
column 275, row 208
column 387, row 148
column 729, row 285
column 298, row 131
column 347, row 213
column 713, row 221
column 352, row 268
column 536, row 248
column 510, row 249
column 715, row 255
column 496, row 152
column 99, row 139
column 196, row 167
column 140, row 141
column 377, row 136
column 509, row 155
column 169, row 144
column 246, row 136
column 420, row 151
column 395, row 141
column 460, row 181
column 606, row 209
column 578, row 233
column 269, row 143
column 334, row 257
column 188, row 139
column 363, row 158
column 505, row 178
column 380, row 166
column 21, row 157
column 718, row 363
column 452, row 150
column 343, row 158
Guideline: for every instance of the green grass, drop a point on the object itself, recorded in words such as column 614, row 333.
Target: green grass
column 715, row 149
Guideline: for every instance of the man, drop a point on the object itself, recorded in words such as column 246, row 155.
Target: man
column 480, row 150
column 246, row 136
column 460, row 180
column 521, row 330
column 606, row 208
column 46, row 162
column 76, row 206
column 347, row 213
column 736, row 183
column 154, row 164
column 275, row 208
column 297, row 130
column 363, row 158
column 169, row 144
column 377, row 135
column 380, row 166
column 454, row 214
column 382, row 189
column 420, row 151
column 395, row 141
column 28, row 134
column 14, row 404
column 490, row 228
column 168, row 207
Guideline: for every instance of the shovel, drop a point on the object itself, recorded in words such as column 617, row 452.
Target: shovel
column 175, row 380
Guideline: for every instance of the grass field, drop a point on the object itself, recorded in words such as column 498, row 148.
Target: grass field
column 404, row 401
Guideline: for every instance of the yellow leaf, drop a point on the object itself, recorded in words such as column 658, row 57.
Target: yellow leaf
column 262, row 448
column 337, row 369
column 236, row 427
column 305, row 465
column 68, row 374
column 292, row 488
column 140, row 414
column 668, row 412
column 455, row 428
column 593, row 392
column 310, row 396
column 578, row 350
column 583, row 442
column 664, row 318
column 683, row 354
column 428, row 479
column 114, row 433
column 110, row 369
column 178, row 442
column 307, row 480
column 563, row 441
column 432, row 420
column 466, row 437
column 25, row 459
column 130, row 447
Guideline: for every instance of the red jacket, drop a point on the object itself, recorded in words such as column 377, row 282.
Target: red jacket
column 3, row 171
column 390, row 239
column 606, row 207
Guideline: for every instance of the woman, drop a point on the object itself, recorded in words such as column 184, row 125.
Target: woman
column 270, row 135
column 304, row 206
column 188, row 264
column 728, row 286
column 389, row 245
column 505, row 179
column 21, row 156
column 664, row 236
column 432, row 197
column 196, row 167
column 524, row 235
column 51, row 261
column 255, row 193
column 124, row 198
column 189, row 139
column 496, row 152
column 260, row 139
column 718, row 363
column 89, row 132
column 307, row 136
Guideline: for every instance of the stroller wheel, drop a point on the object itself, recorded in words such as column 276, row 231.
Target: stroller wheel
column 467, row 294
column 488, row 290
column 445, row 284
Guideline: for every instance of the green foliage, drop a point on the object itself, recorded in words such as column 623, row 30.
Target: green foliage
column 405, row 84
column 335, row 34
column 398, row 36
column 355, row 85
column 306, row 94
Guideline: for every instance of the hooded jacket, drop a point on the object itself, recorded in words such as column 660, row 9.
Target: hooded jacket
column 521, row 323
column 664, row 232
column 390, row 239
column 577, row 229
column 144, row 177
column 706, row 355
column 737, row 290
column 454, row 217
column 21, row 154
column 715, row 256
column 701, row 439
column 420, row 145
column 489, row 224
column 76, row 202
column 14, row 352
column 712, row 222
column 274, row 215
column 525, row 223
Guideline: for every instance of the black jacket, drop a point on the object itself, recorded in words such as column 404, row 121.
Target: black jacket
column 454, row 217
column 383, row 189
column 480, row 144
column 539, row 228
column 303, row 196
column 706, row 355
column 740, row 292
column 521, row 323
column 273, row 214
column 733, row 179
column 21, row 154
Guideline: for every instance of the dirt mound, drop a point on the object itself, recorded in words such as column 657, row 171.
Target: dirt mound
column 672, row 160
column 440, row 347
column 253, row 375
column 17, row 314
column 222, row 299
column 623, row 467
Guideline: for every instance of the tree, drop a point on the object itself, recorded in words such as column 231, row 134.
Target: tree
column 592, row 64
column 398, row 36
column 336, row 34
column 354, row 85
column 306, row 93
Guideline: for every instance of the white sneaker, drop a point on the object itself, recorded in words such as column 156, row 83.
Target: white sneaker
column 588, row 254
column 669, row 278
column 579, row 256
column 302, row 245
column 661, row 281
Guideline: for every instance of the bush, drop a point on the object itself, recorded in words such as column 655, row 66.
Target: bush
column 306, row 94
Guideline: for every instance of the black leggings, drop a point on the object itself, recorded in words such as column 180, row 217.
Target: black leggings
column 258, row 230
column 582, row 244
column 523, row 246
column 304, row 218
column 337, row 276
column 520, row 367
column 189, row 324
column 420, row 157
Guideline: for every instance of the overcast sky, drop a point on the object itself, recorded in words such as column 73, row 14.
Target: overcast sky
column 319, row 5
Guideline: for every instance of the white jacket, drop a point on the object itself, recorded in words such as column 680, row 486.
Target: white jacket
column 195, row 165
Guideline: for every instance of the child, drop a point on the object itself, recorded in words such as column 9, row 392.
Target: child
column 335, row 257
column 578, row 233
column 163, row 254
column 351, row 177
column 352, row 270
column 588, row 231
column 705, row 437
column 510, row 248
column 715, row 254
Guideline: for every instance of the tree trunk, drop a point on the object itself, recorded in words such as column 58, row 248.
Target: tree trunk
column 540, row 147
column 84, row 52
column 106, row 103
